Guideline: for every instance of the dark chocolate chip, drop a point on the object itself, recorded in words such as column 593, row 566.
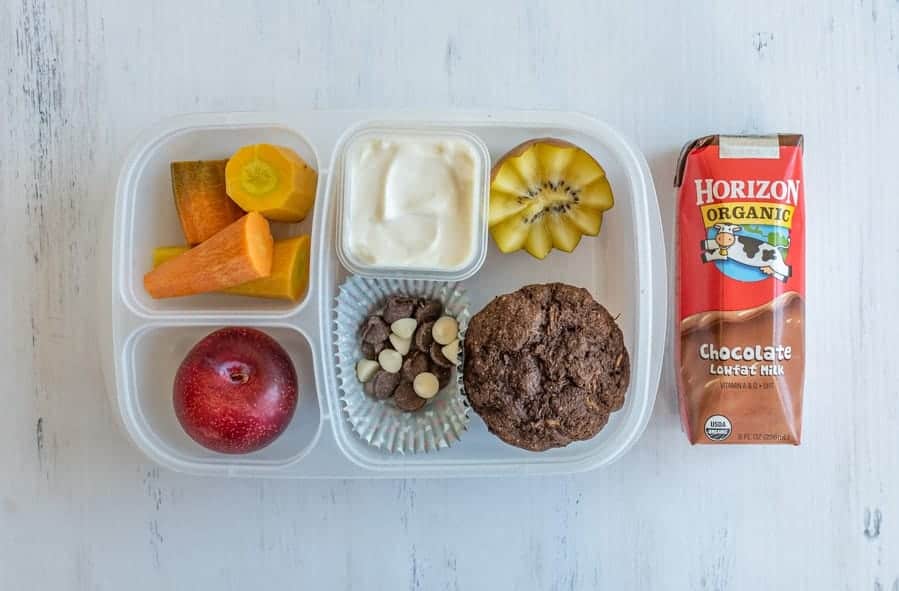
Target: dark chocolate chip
column 444, row 374
column 406, row 399
column 428, row 311
column 423, row 337
column 374, row 330
column 398, row 307
column 414, row 364
column 438, row 357
column 383, row 384
column 371, row 350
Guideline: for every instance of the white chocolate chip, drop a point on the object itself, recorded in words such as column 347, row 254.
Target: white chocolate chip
column 404, row 327
column 451, row 351
column 390, row 360
column 366, row 369
column 401, row 345
column 426, row 385
column 445, row 330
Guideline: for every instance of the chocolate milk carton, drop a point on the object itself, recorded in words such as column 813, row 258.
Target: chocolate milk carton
column 740, row 289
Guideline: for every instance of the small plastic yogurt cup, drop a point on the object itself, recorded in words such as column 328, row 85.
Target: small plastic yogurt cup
column 413, row 203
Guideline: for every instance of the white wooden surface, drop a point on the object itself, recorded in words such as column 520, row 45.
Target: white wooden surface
column 81, row 509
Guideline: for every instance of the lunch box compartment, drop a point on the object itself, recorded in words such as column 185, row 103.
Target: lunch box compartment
column 152, row 357
column 151, row 219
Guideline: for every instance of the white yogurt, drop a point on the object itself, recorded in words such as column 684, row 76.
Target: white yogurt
column 412, row 201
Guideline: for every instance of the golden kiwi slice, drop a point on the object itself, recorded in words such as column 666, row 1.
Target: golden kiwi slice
column 545, row 194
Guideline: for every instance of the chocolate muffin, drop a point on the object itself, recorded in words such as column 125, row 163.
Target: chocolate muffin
column 545, row 365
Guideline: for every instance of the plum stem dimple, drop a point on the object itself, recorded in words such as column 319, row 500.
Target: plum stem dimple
column 238, row 373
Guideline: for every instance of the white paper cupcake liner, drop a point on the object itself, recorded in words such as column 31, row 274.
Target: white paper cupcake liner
column 441, row 422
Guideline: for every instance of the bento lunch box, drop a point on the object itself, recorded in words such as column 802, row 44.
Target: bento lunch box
column 144, row 340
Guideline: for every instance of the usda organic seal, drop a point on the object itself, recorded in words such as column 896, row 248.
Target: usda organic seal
column 717, row 427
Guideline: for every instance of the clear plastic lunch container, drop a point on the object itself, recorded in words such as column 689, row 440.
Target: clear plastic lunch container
column 143, row 340
column 342, row 181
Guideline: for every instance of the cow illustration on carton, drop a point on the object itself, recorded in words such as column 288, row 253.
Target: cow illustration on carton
column 727, row 244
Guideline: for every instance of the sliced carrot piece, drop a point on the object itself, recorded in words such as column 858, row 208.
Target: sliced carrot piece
column 239, row 253
column 162, row 254
column 272, row 180
column 203, row 206
column 290, row 270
